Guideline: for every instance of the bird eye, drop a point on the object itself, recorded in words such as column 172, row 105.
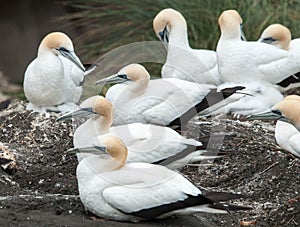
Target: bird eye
column 63, row 49
column 123, row 76
column 278, row 112
column 269, row 39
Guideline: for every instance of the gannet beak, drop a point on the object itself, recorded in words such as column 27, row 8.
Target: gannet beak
column 267, row 115
column 116, row 78
column 91, row 150
column 72, row 57
column 243, row 37
column 82, row 112
column 164, row 35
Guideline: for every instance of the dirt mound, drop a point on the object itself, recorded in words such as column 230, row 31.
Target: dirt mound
column 44, row 189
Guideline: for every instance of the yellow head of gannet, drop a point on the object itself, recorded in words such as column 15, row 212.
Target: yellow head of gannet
column 110, row 145
column 292, row 97
column 288, row 109
column 59, row 43
column 277, row 35
column 167, row 20
column 115, row 148
column 132, row 72
column 95, row 105
column 230, row 23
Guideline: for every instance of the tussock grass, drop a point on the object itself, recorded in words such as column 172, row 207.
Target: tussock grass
column 106, row 25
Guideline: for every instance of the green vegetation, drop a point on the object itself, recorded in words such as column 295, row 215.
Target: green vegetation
column 106, row 25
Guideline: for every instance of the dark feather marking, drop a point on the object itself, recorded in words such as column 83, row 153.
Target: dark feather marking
column 210, row 99
column 229, row 207
column 221, row 196
column 87, row 66
column 188, row 150
column 211, row 144
column 290, row 80
column 155, row 212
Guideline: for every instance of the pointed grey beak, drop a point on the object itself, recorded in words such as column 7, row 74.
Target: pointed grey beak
column 72, row 57
column 116, row 78
column 243, row 37
column 88, row 150
column 267, row 115
column 82, row 112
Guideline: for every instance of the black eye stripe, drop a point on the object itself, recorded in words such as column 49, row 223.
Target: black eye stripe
column 278, row 112
column 63, row 49
column 123, row 76
column 270, row 39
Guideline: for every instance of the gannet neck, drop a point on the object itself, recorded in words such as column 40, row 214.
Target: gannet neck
column 277, row 35
column 289, row 109
column 140, row 77
column 103, row 124
column 104, row 108
column 175, row 24
column 53, row 41
column 230, row 22
column 116, row 149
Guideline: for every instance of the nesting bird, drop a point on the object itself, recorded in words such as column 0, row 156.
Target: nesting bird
column 183, row 62
column 241, row 61
column 145, row 142
column 140, row 191
column 168, row 101
column 281, row 37
column 287, row 114
column 53, row 80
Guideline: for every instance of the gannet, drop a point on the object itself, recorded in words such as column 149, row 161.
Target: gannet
column 111, row 189
column 280, row 36
column 183, row 62
column 53, row 80
column 167, row 101
column 287, row 131
column 145, row 142
column 240, row 61
column 262, row 96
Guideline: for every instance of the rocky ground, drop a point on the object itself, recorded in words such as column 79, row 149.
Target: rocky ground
column 43, row 191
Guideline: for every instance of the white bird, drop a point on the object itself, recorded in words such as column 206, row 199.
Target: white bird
column 183, row 62
column 280, row 36
column 53, row 80
column 145, row 142
column 111, row 189
column 167, row 101
column 263, row 97
column 241, row 61
column 287, row 114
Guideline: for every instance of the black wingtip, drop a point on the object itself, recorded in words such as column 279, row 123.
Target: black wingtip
column 212, row 98
column 293, row 79
column 222, row 196
column 229, row 207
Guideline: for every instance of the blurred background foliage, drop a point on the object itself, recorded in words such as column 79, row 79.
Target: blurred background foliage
column 105, row 25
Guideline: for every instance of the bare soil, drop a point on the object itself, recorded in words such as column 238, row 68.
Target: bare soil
column 43, row 191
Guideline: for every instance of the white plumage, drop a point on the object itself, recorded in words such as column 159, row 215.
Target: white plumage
column 145, row 142
column 183, row 62
column 161, row 101
column 241, row 61
column 133, row 192
column 287, row 132
column 53, row 80
column 280, row 36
